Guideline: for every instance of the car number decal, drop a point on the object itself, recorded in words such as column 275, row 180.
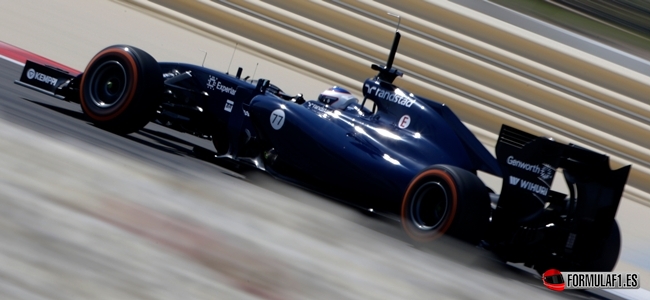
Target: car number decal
column 404, row 121
column 277, row 119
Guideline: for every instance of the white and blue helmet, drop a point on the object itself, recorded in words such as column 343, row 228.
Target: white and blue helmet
column 337, row 98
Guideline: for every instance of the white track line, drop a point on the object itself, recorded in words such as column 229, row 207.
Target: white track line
column 11, row 60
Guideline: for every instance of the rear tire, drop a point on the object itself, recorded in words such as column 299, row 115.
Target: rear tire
column 609, row 251
column 120, row 88
column 446, row 200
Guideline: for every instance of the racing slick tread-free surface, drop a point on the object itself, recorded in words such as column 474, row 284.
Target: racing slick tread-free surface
column 129, row 106
column 609, row 250
column 467, row 208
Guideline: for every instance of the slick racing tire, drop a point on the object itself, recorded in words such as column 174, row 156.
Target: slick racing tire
column 446, row 200
column 608, row 251
column 120, row 88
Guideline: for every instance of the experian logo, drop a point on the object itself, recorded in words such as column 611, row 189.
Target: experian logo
column 31, row 74
column 215, row 84
column 225, row 89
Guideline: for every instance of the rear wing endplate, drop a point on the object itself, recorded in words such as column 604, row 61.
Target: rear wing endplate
column 529, row 164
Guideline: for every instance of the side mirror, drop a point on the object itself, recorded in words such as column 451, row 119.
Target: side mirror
column 298, row 99
column 262, row 85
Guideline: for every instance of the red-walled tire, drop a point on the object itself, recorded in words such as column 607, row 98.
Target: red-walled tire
column 120, row 88
column 446, row 200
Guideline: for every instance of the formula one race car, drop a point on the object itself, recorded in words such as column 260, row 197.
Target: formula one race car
column 399, row 154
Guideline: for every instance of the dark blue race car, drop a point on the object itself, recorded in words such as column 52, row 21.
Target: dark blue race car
column 393, row 153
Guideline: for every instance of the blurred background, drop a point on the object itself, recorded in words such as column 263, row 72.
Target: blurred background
column 86, row 214
column 624, row 24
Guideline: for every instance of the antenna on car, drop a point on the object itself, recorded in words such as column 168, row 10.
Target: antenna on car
column 255, row 71
column 399, row 20
column 393, row 49
column 232, row 57
column 387, row 73
column 205, row 54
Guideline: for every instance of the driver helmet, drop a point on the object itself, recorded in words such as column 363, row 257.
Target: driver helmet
column 337, row 98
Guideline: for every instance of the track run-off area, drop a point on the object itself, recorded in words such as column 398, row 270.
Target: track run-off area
column 88, row 214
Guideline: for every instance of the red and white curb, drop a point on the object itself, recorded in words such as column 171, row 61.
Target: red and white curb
column 20, row 56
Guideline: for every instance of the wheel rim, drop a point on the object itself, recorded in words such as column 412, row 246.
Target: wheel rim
column 429, row 206
column 108, row 84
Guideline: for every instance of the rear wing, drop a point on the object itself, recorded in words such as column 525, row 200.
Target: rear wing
column 48, row 80
column 529, row 164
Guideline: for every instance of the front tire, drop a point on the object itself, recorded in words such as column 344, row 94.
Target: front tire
column 120, row 88
column 446, row 200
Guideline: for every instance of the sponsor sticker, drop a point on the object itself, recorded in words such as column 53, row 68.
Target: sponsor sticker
column 389, row 96
column 212, row 82
column 529, row 186
column 277, row 119
column 217, row 85
column 404, row 121
column 544, row 171
column 32, row 74
column 229, row 105
column 317, row 107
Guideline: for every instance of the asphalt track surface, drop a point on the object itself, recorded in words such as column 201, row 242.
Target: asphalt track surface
column 198, row 229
